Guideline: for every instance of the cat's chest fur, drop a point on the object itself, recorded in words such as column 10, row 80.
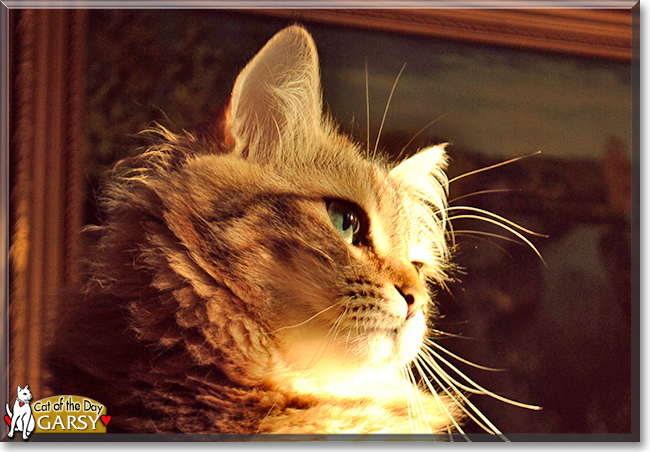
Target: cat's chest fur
column 370, row 403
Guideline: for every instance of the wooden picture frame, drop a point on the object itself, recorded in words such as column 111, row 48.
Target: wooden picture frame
column 48, row 142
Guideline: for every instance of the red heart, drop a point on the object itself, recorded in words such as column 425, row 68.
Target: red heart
column 106, row 420
column 8, row 419
column 21, row 403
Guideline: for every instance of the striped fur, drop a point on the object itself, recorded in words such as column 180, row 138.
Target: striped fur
column 221, row 297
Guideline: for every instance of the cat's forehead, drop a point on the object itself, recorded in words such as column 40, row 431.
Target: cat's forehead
column 346, row 174
column 334, row 171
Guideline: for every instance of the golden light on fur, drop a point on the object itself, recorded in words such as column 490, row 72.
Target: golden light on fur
column 277, row 282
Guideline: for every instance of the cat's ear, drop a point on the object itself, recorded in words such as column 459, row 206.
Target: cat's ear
column 424, row 173
column 422, row 164
column 276, row 102
column 19, row 388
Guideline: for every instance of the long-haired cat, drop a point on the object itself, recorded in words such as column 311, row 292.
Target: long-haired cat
column 273, row 281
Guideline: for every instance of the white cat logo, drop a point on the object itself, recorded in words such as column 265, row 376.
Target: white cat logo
column 22, row 419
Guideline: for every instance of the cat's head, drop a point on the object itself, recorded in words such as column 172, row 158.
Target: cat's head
column 285, row 247
column 24, row 394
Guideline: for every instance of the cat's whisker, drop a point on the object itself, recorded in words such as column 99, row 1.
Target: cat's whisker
column 356, row 338
column 302, row 323
column 319, row 251
column 461, row 401
column 437, row 397
column 446, row 334
column 462, row 386
column 268, row 413
column 502, row 249
column 416, row 362
column 413, row 390
column 463, row 360
column 322, row 347
column 467, row 232
column 410, row 380
column 402, row 370
column 419, row 397
column 347, row 344
column 484, row 192
column 493, row 166
column 381, row 127
column 367, row 112
column 507, row 228
column 415, row 398
column 337, row 328
column 437, row 373
column 493, row 215
column 456, row 383
column 347, row 338
column 334, row 329
column 422, row 130
column 437, row 356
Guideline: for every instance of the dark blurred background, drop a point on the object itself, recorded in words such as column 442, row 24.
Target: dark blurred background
column 561, row 327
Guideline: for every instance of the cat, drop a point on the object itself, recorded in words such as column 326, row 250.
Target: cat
column 266, row 277
column 22, row 419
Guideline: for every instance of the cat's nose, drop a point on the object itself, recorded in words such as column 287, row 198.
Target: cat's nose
column 415, row 297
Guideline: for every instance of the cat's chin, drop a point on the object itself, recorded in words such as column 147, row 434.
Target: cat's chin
column 370, row 366
column 391, row 346
column 410, row 338
column 325, row 356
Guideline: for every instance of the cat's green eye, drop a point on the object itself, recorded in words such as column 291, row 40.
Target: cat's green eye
column 348, row 220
